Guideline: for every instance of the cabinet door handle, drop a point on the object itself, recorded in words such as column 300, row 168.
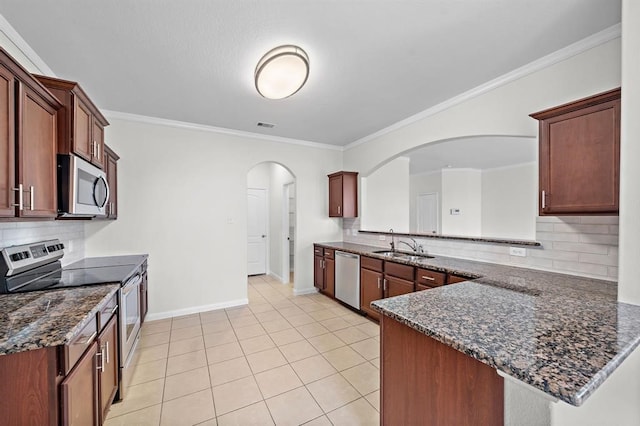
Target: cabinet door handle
column 338, row 209
column 544, row 200
column 115, row 308
column 31, row 196
column 100, row 366
column 378, row 283
column 107, row 350
column 20, row 204
column 384, row 284
column 424, row 277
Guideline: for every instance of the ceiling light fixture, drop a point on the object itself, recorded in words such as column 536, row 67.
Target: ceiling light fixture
column 281, row 72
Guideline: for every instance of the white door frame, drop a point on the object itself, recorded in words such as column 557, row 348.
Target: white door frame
column 286, row 255
column 266, row 218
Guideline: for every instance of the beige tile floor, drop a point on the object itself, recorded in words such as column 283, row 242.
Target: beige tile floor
column 282, row 359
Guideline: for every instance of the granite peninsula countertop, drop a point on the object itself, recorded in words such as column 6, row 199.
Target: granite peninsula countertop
column 41, row 319
column 561, row 334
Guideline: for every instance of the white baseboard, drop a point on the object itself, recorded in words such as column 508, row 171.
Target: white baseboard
column 274, row 275
column 302, row 291
column 196, row 309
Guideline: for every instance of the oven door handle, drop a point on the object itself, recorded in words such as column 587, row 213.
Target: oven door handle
column 131, row 284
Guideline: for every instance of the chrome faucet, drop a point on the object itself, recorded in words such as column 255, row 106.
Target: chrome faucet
column 393, row 240
column 414, row 247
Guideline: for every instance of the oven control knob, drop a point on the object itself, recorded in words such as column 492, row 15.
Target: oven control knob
column 15, row 256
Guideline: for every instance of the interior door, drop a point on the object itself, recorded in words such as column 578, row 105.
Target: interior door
column 257, row 231
column 427, row 213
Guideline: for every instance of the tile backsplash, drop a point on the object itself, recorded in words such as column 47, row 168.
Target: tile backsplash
column 578, row 245
column 70, row 233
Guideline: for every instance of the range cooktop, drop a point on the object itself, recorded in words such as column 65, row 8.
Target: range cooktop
column 34, row 267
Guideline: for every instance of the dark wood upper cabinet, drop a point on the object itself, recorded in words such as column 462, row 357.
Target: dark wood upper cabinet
column 111, row 168
column 579, row 160
column 28, row 143
column 7, row 143
column 37, row 155
column 343, row 194
column 80, row 123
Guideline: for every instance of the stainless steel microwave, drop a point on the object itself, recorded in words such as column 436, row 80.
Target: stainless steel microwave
column 83, row 190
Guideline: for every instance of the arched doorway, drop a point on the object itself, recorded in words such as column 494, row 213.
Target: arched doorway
column 271, row 222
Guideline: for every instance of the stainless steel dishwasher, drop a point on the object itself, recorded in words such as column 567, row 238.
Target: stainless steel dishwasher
column 348, row 278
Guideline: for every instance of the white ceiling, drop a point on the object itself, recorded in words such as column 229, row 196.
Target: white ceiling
column 475, row 153
column 373, row 63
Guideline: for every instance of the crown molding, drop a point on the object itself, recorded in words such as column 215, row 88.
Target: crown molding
column 23, row 46
column 117, row 115
column 574, row 49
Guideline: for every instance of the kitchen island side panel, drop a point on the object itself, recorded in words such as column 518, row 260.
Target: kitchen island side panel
column 426, row 382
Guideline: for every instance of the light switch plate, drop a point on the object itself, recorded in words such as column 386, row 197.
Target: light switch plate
column 518, row 251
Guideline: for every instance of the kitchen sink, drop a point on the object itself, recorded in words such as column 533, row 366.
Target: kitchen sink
column 401, row 255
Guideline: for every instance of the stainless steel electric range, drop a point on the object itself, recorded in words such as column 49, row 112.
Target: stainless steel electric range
column 37, row 267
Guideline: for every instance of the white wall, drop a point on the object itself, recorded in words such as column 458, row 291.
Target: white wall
column 423, row 183
column 385, row 203
column 182, row 199
column 462, row 190
column 502, row 111
column 509, row 207
column 629, row 286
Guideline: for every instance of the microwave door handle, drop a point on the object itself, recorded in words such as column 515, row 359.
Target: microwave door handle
column 95, row 189
column 106, row 184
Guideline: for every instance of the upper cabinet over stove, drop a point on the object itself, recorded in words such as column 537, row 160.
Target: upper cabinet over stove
column 80, row 123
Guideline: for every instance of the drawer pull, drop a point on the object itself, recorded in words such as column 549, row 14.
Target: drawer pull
column 424, row 277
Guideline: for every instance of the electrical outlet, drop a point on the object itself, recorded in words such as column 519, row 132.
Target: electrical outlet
column 518, row 251
column 382, row 237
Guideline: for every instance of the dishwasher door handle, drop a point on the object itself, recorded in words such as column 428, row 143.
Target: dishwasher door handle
column 343, row 254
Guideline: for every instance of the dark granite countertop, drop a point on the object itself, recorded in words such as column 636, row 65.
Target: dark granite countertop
column 41, row 319
column 559, row 333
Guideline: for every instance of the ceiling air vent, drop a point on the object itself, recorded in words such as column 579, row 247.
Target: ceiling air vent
column 267, row 125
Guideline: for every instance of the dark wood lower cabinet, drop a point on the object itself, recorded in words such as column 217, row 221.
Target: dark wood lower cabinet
column 108, row 344
column 370, row 290
column 28, row 387
column 424, row 382
column 318, row 272
column 80, row 391
column 70, row 384
column 397, row 286
column 330, row 277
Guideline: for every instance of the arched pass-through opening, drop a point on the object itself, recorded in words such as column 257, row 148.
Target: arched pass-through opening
column 271, row 224
column 475, row 186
